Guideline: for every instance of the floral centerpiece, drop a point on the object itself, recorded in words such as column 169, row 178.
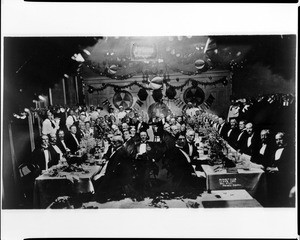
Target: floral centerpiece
column 87, row 143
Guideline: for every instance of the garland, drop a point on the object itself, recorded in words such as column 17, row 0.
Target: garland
column 222, row 80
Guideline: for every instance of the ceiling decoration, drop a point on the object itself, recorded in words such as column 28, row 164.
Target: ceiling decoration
column 124, row 57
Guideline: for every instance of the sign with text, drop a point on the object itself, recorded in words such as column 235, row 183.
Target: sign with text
column 143, row 52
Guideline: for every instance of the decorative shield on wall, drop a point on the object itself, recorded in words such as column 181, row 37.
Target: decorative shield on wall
column 194, row 95
column 123, row 98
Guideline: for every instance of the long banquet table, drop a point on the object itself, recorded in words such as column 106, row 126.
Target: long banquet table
column 48, row 187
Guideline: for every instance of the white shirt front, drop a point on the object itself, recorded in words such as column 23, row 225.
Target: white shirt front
column 47, row 157
column 278, row 153
column 143, row 148
column 56, row 148
column 240, row 135
column 190, row 148
column 229, row 132
column 263, row 149
column 75, row 138
column 63, row 143
column 249, row 141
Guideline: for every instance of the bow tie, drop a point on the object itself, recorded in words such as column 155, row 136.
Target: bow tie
column 143, row 142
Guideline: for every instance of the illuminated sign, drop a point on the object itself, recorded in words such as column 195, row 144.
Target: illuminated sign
column 142, row 52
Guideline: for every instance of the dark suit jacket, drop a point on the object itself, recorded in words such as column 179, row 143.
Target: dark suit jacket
column 61, row 146
column 177, row 164
column 194, row 152
column 79, row 134
column 253, row 148
column 119, row 167
column 232, row 139
column 129, row 145
column 71, row 143
column 224, row 131
column 38, row 158
column 143, row 127
column 240, row 142
column 108, row 152
column 267, row 157
column 168, row 140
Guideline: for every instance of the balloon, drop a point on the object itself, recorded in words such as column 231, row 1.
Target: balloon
column 199, row 64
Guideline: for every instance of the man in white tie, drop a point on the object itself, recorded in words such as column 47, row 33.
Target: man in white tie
column 281, row 174
column 60, row 142
column 43, row 156
column 53, row 145
column 72, row 141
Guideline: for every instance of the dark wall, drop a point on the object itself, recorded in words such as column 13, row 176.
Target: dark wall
column 269, row 67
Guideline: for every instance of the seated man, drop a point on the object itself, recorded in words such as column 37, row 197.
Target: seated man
column 43, row 156
column 180, row 167
column 72, row 140
column 266, row 148
column 118, row 173
column 233, row 133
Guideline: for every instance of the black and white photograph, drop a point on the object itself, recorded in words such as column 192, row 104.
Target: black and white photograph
column 196, row 122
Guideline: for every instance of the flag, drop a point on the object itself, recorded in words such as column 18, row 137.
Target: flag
column 106, row 102
column 209, row 101
column 139, row 102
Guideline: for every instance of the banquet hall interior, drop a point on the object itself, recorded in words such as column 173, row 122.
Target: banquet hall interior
column 149, row 122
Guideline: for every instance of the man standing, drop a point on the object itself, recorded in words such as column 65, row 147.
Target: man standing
column 189, row 146
column 49, row 124
column 281, row 174
column 71, row 119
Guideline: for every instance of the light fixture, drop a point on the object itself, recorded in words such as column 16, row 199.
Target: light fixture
column 78, row 57
column 42, row 98
column 66, row 75
column 86, row 52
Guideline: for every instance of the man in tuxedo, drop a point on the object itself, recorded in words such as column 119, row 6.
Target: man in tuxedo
column 233, row 133
column 281, row 174
column 110, row 147
column 265, row 150
column 242, row 134
column 129, row 142
column 179, row 165
column 81, row 130
column 43, row 156
column 223, row 127
column 53, row 146
column 60, row 142
column 250, row 144
column 189, row 146
column 72, row 141
column 144, row 163
column 118, row 173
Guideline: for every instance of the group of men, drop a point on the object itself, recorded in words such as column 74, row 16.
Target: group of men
column 132, row 159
